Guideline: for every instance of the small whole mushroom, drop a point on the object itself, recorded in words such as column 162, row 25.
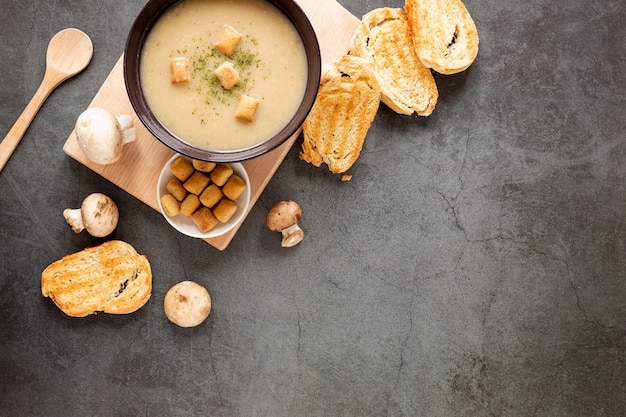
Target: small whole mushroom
column 187, row 304
column 284, row 217
column 98, row 214
column 101, row 136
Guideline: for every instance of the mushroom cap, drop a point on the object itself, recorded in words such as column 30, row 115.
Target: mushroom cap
column 187, row 304
column 99, row 214
column 99, row 135
column 283, row 215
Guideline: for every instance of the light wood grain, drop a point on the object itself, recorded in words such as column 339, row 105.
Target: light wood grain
column 138, row 170
column 69, row 52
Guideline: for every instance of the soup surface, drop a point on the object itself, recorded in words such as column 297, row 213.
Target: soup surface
column 270, row 60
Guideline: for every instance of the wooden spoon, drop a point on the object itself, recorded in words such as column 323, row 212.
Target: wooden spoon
column 69, row 52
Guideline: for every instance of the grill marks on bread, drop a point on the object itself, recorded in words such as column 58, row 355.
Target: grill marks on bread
column 391, row 57
column 383, row 37
column 345, row 107
column 112, row 278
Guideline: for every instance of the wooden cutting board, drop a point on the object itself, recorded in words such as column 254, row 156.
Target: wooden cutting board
column 138, row 169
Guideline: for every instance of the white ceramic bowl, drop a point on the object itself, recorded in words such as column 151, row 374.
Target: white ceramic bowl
column 185, row 224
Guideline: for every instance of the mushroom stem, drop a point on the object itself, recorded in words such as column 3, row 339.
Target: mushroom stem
column 75, row 219
column 292, row 236
column 126, row 127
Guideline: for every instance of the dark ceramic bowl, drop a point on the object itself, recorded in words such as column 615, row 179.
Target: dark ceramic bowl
column 140, row 29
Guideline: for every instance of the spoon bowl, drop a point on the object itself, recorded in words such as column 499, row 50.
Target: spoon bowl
column 69, row 52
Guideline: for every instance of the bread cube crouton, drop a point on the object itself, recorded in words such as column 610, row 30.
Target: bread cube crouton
column 246, row 109
column 181, row 168
column 190, row 204
column 203, row 166
column 221, row 174
column 204, row 219
column 234, row 187
column 211, row 195
column 170, row 205
column 179, row 70
column 227, row 75
column 228, row 40
column 196, row 183
column 224, row 210
column 175, row 188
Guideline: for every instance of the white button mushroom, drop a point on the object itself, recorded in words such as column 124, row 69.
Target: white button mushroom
column 101, row 136
column 187, row 304
column 98, row 214
column 284, row 217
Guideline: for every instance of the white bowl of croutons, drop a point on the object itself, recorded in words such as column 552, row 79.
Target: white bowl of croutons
column 203, row 199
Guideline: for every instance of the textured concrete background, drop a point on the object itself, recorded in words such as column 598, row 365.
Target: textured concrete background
column 474, row 266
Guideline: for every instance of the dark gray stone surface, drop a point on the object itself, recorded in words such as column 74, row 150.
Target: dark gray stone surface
column 474, row 266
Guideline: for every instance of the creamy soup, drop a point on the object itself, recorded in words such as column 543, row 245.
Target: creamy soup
column 269, row 59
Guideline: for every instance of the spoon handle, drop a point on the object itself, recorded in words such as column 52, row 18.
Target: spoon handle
column 50, row 81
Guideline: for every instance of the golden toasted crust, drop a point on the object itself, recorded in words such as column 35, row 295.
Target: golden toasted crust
column 383, row 37
column 203, row 166
column 221, row 173
column 181, row 168
column 234, row 187
column 196, row 182
column 112, row 278
column 171, row 206
column 211, row 195
column 345, row 107
column 176, row 188
column 190, row 204
column 224, row 210
column 204, row 219
column 444, row 34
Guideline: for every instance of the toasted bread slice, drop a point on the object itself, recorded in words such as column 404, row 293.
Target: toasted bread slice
column 383, row 37
column 344, row 109
column 111, row 277
column 444, row 34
